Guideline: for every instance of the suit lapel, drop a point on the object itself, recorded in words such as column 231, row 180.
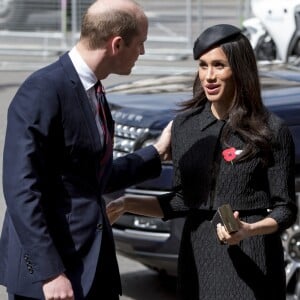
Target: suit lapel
column 82, row 100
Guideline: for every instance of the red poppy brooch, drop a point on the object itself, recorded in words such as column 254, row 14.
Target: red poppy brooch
column 230, row 154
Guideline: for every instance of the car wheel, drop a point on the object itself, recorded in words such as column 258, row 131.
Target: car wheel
column 12, row 14
column 291, row 245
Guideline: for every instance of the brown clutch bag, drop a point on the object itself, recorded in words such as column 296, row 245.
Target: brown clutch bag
column 224, row 215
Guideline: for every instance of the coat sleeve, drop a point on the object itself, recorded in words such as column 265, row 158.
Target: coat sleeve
column 30, row 116
column 172, row 204
column 281, row 177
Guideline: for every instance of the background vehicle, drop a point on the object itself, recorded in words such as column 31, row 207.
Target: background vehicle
column 274, row 31
column 14, row 13
column 146, row 107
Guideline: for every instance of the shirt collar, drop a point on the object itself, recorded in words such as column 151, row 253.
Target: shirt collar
column 86, row 75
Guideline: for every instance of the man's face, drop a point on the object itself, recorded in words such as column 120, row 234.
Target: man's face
column 129, row 54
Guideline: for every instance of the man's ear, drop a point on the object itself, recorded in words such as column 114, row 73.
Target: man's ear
column 116, row 44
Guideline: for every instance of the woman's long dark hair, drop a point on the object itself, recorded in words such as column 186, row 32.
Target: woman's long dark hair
column 247, row 115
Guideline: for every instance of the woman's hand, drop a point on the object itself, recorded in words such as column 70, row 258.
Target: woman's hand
column 265, row 226
column 135, row 204
column 115, row 209
column 236, row 237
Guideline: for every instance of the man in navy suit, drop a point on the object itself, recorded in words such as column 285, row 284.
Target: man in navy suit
column 56, row 241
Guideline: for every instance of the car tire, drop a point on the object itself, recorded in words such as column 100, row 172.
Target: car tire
column 12, row 14
column 291, row 246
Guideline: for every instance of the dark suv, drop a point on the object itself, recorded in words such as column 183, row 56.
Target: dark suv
column 141, row 110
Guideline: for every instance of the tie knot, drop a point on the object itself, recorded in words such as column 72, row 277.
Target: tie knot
column 99, row 88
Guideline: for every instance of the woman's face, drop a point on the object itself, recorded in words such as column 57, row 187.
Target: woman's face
column 216, row 77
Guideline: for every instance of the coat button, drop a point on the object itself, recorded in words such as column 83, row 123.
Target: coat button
column 30, row 269
column 99, row 226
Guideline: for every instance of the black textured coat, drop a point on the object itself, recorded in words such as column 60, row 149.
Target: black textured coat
column 203, row 180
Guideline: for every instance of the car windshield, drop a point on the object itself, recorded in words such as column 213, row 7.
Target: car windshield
column 271, row 78
column 279, row 76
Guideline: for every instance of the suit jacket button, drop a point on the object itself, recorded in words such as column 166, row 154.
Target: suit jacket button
column 99, row 226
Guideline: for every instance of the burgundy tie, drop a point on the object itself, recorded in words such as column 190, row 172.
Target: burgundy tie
column 101, row 109
column 101, row 101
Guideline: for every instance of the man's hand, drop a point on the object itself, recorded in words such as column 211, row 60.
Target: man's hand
column 163, row 144
column 58, row 288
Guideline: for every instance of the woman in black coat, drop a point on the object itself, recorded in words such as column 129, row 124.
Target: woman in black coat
column 227, row 149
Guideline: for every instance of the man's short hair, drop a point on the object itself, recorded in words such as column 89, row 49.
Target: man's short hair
column 98, row 28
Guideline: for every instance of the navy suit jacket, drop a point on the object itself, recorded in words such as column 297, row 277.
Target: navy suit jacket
column 55, row 214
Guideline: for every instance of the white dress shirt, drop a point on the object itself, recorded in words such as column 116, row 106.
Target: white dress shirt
column 88, row 80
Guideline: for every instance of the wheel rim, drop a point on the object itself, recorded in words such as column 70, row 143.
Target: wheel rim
column 291, row 245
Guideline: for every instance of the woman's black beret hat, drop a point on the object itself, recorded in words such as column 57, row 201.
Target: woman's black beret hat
column 213, row 36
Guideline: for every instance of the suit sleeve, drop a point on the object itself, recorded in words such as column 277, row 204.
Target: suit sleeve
column 133, row 168
column 30, row 116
